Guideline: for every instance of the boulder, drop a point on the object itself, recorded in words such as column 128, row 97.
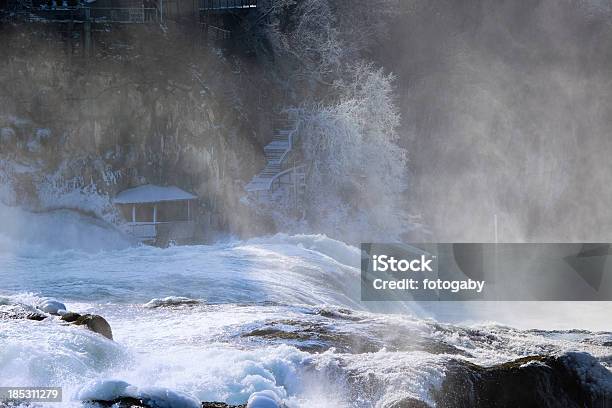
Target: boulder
column 118, row 394
column 93, row 322
column 408, row 403
column 70, row 317
column 572, row 380
column 171, row 301
column 123, row 402
column 20, row 311
column 129, row 402
column 220, row 405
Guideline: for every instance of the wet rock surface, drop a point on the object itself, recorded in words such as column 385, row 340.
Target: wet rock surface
column 127, row 402
column 95, row 323
column 20, row 311
column 171, row 302
column 408, row 403
column 320, row 336
column 313, row 337
column 571, row 380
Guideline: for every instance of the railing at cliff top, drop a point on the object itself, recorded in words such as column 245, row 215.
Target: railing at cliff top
column 277, row 179
column 152, row 230
column 212, row 5
column 123, row 15
column 137, row 15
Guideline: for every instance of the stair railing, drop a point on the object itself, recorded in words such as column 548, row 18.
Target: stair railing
column 275, row 182
column 292, row 132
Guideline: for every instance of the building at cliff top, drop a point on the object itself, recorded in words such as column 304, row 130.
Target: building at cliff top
column 206, row 12
column 156, row 214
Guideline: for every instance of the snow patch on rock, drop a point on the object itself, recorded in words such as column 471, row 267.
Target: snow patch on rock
column 52, row 306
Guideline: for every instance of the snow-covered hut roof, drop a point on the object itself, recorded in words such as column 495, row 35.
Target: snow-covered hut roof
column 150, row 193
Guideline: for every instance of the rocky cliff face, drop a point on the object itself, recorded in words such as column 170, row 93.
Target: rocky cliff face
column 146, row 107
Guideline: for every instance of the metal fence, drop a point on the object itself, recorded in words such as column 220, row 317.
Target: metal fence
column 220, row 5
column 218, row 33
column 123, row 15
column 152, row 231
column 138, row 15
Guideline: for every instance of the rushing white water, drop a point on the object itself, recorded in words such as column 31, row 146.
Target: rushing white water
column 223, row 321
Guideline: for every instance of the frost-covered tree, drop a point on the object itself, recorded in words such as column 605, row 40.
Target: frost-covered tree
column 318, row 38
column 364, row 23
column 355, row 164
column 348, row 119
column 304, row 36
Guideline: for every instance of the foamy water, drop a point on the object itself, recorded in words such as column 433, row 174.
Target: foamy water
column 221, row 322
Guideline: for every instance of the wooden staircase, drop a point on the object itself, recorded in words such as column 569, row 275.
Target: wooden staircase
column 227, row 5
column 277, row 183
column 274, row 152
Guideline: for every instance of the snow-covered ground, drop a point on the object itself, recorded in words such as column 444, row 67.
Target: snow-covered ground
column 224, row 321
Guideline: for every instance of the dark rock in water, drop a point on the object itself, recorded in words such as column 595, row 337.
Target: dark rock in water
column 19, row 311
column 573, row 380
column 171, row 301
column 317, row 337
column 128, row 402
column 408, row 403
column 95, row 323
column 314, row 337
column 123, row 402
column 343, row 314
column 70, row 317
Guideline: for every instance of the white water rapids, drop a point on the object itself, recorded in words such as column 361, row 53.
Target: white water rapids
column 222, row 321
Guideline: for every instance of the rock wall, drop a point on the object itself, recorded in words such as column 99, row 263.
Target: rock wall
column 147, row 107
